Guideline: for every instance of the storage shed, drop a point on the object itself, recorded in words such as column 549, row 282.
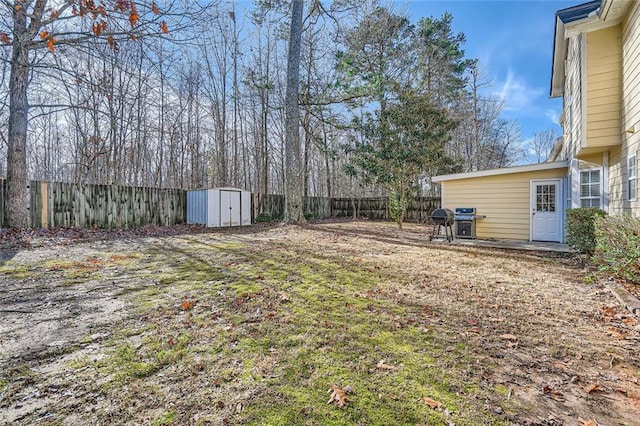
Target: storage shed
column 219, row 207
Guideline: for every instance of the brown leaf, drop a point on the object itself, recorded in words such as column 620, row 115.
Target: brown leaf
column 96, row 28
column 186, row 305
column 508, row 337
column 50, row 41
column 554, row 394
column 4, row 38
column 133, row 18
column 431, row 402
column 112, row 43
column 43, row 35
column 630, row 321
column 154, row 9
column 381, row 365
column 164, row 27
column 338, row 396
column 585, row 422
column 615, row 333
column 608, row 311
column 592, row 388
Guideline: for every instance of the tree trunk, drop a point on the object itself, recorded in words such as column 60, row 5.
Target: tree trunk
column 293, row 169
column 17, row 183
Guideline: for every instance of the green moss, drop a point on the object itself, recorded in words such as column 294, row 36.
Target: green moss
column 16, row 270
column 165, row 419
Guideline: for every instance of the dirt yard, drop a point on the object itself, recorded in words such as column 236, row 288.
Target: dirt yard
column 330, row 324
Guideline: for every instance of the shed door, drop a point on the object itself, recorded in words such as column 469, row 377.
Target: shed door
column 229, row 208
column 545, row 210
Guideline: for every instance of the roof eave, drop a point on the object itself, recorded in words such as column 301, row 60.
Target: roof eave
column 503, row 171
column 587, row 12
column 557, row 66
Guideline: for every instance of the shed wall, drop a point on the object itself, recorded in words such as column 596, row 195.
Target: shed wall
column 504, row 199
column 197, row 207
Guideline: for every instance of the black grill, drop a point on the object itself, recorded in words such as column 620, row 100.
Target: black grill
column 440, row 218
column 465, row 218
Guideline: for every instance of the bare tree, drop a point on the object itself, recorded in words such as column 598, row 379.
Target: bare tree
column 39, row 25
column 541, row 144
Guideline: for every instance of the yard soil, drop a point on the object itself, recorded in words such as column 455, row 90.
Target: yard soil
column 545, row 343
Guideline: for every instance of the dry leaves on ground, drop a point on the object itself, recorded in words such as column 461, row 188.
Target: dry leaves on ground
column 431, row 402
column 338, row 396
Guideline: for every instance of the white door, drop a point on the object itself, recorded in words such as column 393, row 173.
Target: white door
column 546, row 211
column 229, row 208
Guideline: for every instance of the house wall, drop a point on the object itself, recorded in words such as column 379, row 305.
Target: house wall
column 603, row 87
column 504, row 199
column 572, row 124
column 630, row 116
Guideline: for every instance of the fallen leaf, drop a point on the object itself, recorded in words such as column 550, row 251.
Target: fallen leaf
column 381, row 365
column 630, row 321
column 431, row 402
column 186, row 305
column 592, row 388
column 338, row 396
column 561, row 365
column 584, row 422
column 615, row 333
column 471, row 322
column 608, row 311
column 508, row 337
column 554, row 394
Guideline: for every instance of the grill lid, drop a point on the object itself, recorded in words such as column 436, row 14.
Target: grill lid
column 441, row 213
column 442, row 216
column 465, row 210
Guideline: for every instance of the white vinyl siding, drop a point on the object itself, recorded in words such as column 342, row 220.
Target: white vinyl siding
column 632, row 179
column 590, row 188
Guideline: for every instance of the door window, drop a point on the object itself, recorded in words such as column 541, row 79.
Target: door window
column 546, row 198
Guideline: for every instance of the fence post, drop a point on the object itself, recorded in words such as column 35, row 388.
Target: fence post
column 44, row 203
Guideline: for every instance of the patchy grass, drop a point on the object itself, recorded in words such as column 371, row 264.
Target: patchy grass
column 257, row 329
column 288, row 328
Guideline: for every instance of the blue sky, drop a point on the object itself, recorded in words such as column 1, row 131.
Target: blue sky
column 513, row 39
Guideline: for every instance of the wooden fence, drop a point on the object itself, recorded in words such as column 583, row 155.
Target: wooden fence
column 314, row 207
column 377, row 208
column 56, row 204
